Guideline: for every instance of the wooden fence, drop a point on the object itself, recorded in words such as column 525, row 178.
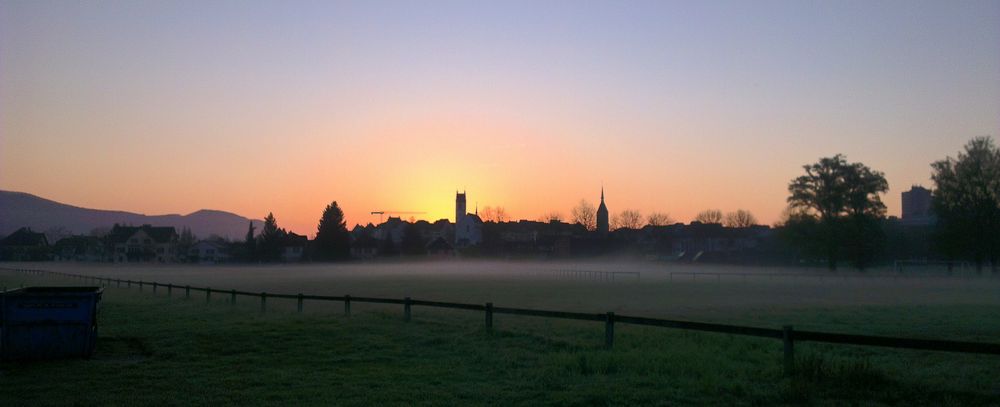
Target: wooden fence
column 681, row 276
column 786, row 334
column 611, row 276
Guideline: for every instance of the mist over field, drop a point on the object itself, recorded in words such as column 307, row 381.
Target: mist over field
column 390, row 203
column 659, row 290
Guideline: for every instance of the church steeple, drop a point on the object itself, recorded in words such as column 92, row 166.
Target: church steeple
column 602, row 216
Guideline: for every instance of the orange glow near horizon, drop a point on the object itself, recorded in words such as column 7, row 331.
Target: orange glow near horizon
column 674, row 107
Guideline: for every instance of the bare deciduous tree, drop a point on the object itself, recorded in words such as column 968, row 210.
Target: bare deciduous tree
column 659, row 219
column 585, row 214
column 709, row 216
column 493, row 214
column 551, row 216
column 487, row 214
column 500, row 214
column 740, row 219
column 57, row 233
column 100, row 231
column 628, row 219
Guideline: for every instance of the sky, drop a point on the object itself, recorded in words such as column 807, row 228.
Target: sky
column 673, row 106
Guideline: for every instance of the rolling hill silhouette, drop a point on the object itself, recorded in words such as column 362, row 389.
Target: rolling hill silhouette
column 19, row 209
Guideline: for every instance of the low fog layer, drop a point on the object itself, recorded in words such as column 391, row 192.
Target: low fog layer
column 659, row 290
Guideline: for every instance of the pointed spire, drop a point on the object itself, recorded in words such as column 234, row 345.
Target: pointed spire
column 602, row 192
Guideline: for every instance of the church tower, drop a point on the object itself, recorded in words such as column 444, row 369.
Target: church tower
column 459, row 207
column 602, row 217
column 468, row 227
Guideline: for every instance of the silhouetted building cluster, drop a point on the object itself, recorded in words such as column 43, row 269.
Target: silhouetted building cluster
column 908, row 237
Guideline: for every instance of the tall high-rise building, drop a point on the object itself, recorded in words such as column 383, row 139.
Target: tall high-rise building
column 917, row 206
column 602, row 217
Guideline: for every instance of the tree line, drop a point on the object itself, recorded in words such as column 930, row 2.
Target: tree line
column 835, row 210
column 332, row 242
column 585, row 214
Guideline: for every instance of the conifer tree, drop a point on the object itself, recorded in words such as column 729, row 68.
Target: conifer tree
column 333, row 242
column 270, row 240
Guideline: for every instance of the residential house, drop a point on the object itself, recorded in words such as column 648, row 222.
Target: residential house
column 144, row 243
column 24, row 245
column 209, row 252
column 293, row 247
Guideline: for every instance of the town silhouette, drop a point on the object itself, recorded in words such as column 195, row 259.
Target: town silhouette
column 835, row 215
column 508, row 203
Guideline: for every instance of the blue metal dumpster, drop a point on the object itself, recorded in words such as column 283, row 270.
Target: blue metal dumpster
column 48, row 322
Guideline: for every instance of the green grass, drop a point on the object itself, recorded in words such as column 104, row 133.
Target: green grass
column 170, row 351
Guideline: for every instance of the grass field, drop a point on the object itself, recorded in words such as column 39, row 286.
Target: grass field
column 169, row 351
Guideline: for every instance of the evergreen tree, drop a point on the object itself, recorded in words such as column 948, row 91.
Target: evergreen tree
column 333, row 242
column 270, row 240
column 250, row 244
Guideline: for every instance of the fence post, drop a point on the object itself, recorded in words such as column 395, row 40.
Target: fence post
column 208, row 294
column 787, row 338
column 263, row 302
column 300, row 303
column 609, row 330
column 140, row 286
column 187, row 292
column 347, row 305
column 489, row 315
column 154, row 288
column 170, row 290
column 128, row 284
column 232, row 297
column 406, row 309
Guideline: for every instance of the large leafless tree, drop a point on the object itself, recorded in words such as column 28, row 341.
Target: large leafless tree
column 659, row 219
column 739, row 219
column 628, row 219
column 551, row 216
column 585, row 214
column 709, row 216
column 494, row 214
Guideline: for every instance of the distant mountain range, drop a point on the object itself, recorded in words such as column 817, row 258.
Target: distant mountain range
column 19, row 209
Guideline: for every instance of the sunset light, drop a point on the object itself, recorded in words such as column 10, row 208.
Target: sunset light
column 504, row 203
column 248, row 112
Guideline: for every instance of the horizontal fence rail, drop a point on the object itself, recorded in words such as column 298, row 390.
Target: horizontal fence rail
column 821, row 276
column 702, row 326
column 611, row 276
column 787, row 334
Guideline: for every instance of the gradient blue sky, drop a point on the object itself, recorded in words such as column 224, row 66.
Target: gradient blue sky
column 166, row 107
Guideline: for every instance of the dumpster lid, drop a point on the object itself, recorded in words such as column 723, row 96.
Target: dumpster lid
column 54, row 290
